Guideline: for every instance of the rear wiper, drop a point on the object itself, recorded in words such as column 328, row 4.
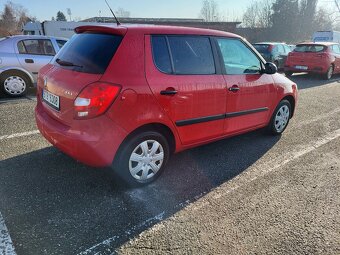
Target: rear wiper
column 67, row 63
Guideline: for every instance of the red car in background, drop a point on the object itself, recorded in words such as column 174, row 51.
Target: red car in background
column 129, row 96
column 320, row 58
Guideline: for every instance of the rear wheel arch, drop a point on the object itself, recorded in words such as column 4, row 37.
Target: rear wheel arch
column 150, row 133
column 14, row 82
column 21, row 72
column 156, row 127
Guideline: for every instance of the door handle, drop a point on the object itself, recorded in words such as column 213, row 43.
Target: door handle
column 234, row 88
column 169, row 92
column 29, row 61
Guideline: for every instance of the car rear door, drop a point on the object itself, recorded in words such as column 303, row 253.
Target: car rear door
column 250, row 93
column 184, row 77
column 33, row 54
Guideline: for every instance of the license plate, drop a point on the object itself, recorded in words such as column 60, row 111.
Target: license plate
column 51, row 99
column 301, row 67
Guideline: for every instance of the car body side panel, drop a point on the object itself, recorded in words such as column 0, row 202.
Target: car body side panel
column 136, row 105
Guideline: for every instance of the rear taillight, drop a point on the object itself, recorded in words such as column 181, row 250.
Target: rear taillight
column 94, row 100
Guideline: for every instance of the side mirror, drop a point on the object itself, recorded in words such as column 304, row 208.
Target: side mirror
column 270, row 68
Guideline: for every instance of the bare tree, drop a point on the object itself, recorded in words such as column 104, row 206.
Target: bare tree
column 258, row 14
column 12, row 18
column 210, row 11
column 122, row 13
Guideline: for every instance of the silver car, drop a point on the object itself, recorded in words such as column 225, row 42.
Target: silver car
column 21, row 57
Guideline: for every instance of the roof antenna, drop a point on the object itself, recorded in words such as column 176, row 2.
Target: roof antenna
column 117, row 21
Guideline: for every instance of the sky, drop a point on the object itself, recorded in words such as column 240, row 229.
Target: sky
column 82, row 9
column 45, row 9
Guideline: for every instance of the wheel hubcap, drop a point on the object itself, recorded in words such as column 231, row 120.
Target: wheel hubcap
column 330, row 73
column 146, row 160
column 282, row 118
column 14, row 85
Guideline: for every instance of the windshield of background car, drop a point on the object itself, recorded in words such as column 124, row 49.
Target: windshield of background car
column 89, row 52
column 309, row 48
column 262, row 48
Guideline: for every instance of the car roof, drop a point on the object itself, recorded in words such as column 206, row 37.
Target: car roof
column 153, row 29
column 317, row 43
column 20, row 37
column 269, row 43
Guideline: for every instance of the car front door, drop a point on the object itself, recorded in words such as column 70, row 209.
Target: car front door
column 250, row 92
column 34, row 54
column 182, row 74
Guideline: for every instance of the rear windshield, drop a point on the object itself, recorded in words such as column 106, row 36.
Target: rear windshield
column 262, row 48
column 309, row 48
column 88, row 52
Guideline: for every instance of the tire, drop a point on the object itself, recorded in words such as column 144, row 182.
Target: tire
column 328, row 75
column 14, row 83
column 141, row 169
column 280, row 118
column 288, row 74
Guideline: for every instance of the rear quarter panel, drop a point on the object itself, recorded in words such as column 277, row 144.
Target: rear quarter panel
column 136, row 105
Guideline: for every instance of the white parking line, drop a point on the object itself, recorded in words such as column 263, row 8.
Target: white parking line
column 4, row 137
column 6, row 245
column 101, row 247
column 245, row 178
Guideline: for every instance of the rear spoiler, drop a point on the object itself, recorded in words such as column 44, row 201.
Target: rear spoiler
column 115, row 30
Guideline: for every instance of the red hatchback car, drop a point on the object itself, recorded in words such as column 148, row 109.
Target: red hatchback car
column 319, row 58
column 129, row 96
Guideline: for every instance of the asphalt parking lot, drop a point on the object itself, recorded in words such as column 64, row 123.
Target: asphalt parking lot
column 251, row 194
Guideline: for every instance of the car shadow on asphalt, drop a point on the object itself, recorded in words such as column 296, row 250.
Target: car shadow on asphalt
column 307, row 81
column 68, row 207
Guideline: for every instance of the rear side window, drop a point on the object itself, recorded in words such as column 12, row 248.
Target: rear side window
column 61, row 43
column 89, row 52
column 309, row 48
column 190, row 55
column 36, row 47
column 161, row 54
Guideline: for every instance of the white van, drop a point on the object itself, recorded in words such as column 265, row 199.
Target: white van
column 326, row 36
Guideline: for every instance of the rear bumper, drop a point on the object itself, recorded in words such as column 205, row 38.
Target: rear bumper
column 93, row 142
column 310, row 69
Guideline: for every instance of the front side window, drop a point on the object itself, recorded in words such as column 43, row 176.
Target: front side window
column 36, row 47
column 281, row 49
column 287, row 48
column 237, row 57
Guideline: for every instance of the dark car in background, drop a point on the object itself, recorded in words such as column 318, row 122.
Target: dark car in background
column 273, row 52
